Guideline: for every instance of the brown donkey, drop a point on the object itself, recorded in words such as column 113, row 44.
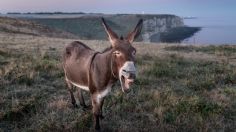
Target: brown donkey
column 97, row 72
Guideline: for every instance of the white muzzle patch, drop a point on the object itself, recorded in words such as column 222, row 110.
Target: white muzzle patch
column 127, row 69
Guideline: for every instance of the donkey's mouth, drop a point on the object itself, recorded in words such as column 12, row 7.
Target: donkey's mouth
column 126, row 83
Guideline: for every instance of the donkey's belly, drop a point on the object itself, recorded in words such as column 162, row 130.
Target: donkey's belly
column 77, row 73
column 78, row 85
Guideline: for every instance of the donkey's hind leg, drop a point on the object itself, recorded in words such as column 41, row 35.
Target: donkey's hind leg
column 81, row 99
column 73, row 101
column 101, row 114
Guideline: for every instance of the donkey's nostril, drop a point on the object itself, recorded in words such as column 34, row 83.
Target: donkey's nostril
column 124, row 70
column 132, row 75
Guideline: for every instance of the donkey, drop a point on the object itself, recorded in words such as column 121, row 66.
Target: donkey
column 97, row 72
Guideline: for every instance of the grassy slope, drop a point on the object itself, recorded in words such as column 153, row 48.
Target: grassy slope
column 90, row 27
column 179, row 88
column 19, row 26
column 86, row 28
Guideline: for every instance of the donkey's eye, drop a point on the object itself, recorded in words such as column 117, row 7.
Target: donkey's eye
column 116, row 53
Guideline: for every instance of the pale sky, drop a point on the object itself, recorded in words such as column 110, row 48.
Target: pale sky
column 178, row 7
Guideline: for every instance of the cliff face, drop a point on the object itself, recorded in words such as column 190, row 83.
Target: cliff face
column 153, row 27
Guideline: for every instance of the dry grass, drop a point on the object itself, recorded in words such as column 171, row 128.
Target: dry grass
column 179, row 88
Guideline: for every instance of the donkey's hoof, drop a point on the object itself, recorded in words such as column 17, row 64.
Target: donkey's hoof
column 101, row 117
column 97, row 128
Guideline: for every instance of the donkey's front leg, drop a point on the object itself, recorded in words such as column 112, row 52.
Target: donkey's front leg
column 96, row 102
column 81, row 99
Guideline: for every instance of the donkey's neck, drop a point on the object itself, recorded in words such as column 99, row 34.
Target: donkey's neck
column 101, row 72
column 108, row 64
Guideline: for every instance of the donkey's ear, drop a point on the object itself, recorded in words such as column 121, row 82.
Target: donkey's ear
column 111, row 35
column 134, row 34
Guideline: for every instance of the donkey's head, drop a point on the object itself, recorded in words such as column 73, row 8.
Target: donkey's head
column 123, row 55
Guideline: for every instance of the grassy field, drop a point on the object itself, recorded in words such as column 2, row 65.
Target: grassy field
column 178, row 88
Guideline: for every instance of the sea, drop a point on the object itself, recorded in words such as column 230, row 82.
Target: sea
column 214, row 30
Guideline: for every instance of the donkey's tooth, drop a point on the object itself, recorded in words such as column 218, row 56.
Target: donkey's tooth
column 130, row 80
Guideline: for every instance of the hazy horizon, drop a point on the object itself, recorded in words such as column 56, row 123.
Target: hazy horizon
column 207, row 8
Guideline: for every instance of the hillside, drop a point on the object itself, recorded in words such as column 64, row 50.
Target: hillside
column 19, row 26
column 178, row 88
column 156, row 28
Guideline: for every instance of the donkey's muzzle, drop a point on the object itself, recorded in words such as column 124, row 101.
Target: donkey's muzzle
column 127, row 80
column 127, row 75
